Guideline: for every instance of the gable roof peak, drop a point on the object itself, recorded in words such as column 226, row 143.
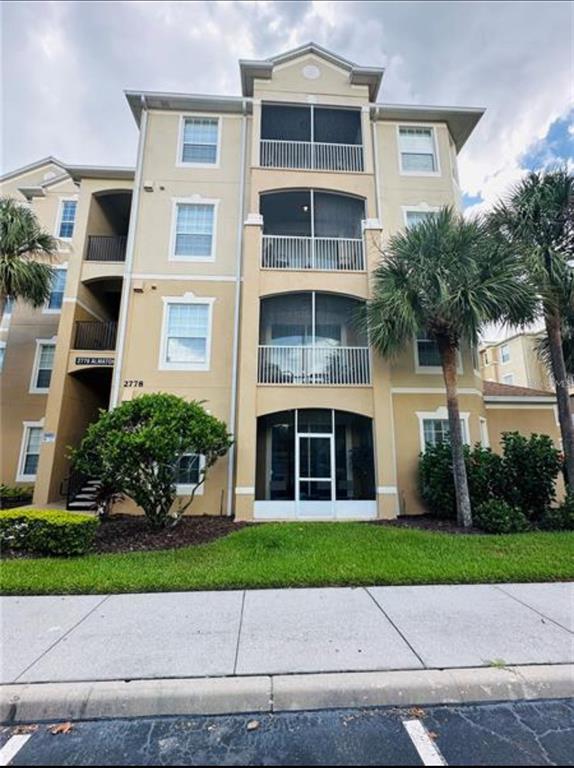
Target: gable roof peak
column 263, row 68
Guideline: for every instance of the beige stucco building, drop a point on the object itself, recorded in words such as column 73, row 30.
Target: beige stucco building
column 515, row 361
column 228, row 267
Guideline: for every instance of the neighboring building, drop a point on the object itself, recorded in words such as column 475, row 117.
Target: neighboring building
column 227, row 268
column 515, row 361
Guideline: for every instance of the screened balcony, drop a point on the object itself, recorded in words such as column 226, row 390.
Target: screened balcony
column 108, row 224
column 311, row 138
column 312, row 338
column 305, row 229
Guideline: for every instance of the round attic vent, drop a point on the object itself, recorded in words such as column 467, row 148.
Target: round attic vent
column 311, row 72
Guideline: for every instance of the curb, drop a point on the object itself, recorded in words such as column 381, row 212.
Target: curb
column 226, row 695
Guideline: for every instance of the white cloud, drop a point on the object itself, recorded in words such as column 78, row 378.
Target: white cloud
column 66, row 65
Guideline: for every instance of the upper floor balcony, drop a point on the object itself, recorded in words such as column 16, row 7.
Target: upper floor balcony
column 307, row 229
column 95, row 335
column 106, row 248
column 107, row 226
column 312, row 338
column 310, row 137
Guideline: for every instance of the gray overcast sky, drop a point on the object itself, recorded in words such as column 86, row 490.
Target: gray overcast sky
column 65, row 65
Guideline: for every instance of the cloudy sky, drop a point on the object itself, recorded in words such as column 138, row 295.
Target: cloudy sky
column 66, row 64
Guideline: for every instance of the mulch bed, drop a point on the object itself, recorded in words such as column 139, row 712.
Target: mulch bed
column 428, row 523
column 127, row 533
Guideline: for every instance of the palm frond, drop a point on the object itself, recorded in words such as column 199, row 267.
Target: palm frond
column 26, row 252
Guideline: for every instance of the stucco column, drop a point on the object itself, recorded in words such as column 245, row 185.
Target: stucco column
column 383, row 425
column 246, row 435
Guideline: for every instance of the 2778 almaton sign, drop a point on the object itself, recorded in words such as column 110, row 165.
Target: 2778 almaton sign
column 95, row 361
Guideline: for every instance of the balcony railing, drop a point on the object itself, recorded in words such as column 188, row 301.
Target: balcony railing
column 311, row 155
column 95, row 335
column 106, row 248
column 340, row 254
column 314, row 365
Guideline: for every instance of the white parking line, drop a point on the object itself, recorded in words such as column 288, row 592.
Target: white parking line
column 429, row 753
column 12, row 747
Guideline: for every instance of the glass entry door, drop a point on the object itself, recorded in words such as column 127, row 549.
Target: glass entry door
column 315, row 482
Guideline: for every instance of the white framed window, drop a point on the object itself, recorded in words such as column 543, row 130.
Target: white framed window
column 427, row 355
column 193, row 230
column 417, row 150
column 66, row 219
column 188, row 474
column 508, row 378
column 434, row 428
column 43, row 365
column 415, row 215
column 56, row 298
column 2, row 354
column 186, row 334
column 484, row 441
column 505, row 353
column 29, row 451
column 199, row 141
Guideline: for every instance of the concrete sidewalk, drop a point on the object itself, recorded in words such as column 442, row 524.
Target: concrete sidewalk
column 282, row 632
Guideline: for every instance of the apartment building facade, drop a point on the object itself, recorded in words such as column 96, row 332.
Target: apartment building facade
column 227, row 267
column 515, row 361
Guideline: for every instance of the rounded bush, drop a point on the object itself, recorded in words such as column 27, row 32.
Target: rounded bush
column 47, row 531
column 559, row 518
column 497, row 516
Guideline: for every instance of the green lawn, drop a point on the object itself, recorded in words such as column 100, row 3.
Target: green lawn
column 298, row 555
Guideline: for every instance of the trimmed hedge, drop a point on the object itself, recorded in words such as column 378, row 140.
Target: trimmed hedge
column 15, row 497
column 498, row 516
column 47, row 531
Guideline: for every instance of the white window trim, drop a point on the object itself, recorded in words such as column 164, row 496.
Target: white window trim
column 434, row 369
column 420, row 208
column 183, row 489
column 3, row 359
column 34, row 389
column 46, row 310
column 62, row 200
column 441, row 413
column 505, row 362
column 484, row 438
column 26, row 426
column 190, row 116
column 163, row 365
column 508, row 376
column 194, row 200
column 432, row 126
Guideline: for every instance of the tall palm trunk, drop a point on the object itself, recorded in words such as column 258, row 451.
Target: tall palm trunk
column 3, row 301
column 554, row 333
column 448, row 359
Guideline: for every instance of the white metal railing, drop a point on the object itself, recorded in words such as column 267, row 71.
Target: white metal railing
column 340, row 254
column 311, row 155
column 314, row 365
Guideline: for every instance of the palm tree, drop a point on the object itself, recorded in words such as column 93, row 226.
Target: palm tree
column 438, row 278
column 22, row 243
column 536, row 221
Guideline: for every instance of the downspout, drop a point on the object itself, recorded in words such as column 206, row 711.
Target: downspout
column 236, row 312
column 126, row 286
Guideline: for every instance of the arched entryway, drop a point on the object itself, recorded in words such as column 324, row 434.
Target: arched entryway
column 315, row 463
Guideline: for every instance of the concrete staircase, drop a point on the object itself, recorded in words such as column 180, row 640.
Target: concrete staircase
column 84, row 499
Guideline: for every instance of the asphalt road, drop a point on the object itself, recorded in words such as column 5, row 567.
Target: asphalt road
column 519, row 733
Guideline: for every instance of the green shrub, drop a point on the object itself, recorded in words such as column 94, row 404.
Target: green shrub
column 484, row 472
column 47, row 532
column 497, row 516
column 524, row 475
column 559, row 518
column 15, row 496
column 436, row 485
column 531, row 466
